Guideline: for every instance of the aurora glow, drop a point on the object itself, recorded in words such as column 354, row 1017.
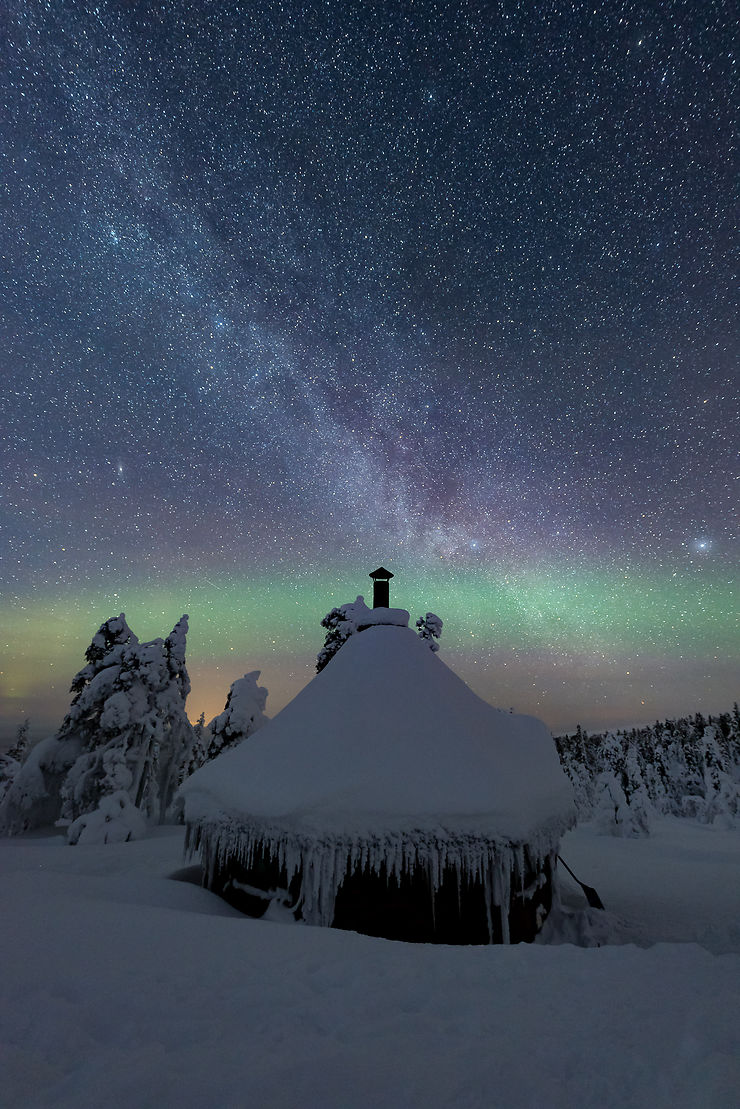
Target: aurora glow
column 571, row 647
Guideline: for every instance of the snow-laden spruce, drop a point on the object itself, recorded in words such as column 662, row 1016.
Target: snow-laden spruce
column 243, row 714
column 12, row 760
column 126, row 730
column 385, row 764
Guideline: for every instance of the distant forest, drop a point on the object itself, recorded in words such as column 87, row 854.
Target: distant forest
column 688, row 767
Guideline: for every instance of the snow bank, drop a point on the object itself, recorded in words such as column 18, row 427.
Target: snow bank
column 122, row 988
column 677, row 885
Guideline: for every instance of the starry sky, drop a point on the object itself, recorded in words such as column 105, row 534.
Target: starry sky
column 294, row 289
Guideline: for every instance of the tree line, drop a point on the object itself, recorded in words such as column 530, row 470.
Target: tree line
column 689, row 767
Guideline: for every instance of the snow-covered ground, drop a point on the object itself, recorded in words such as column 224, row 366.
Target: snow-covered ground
column 121, row 987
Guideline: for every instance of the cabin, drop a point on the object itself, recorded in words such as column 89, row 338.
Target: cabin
column 389, row 799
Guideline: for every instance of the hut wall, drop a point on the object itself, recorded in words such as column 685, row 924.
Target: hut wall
column 452, row 907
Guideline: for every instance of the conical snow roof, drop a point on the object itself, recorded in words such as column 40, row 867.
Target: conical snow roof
column 387, row 740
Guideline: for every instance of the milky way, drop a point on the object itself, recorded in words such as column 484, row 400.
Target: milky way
column 294, row 289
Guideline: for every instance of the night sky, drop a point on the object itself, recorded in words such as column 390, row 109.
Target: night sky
column 292, row 290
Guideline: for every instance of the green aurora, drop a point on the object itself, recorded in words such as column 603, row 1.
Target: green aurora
column 591, row 647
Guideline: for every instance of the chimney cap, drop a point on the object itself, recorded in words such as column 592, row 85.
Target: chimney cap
column 381, row 573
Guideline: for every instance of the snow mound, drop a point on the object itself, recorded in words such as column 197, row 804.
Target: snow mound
column 358, row 616
column 388, row 740
column 116, row 820
column 588, row 928
column 122, row 988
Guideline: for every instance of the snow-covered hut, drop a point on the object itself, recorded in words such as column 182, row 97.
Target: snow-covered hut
column 389, row 799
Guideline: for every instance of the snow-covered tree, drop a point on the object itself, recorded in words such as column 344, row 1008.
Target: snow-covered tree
column 175, row 738
column 244, row 714
column 338, row 630
column 721, row 791
column 612, row 814
column 126, row 730
column 199, row 749
column 430, row 629
column 8, row 770
column 11, row 760
column 20, row 747
column 34, row 798
column 574, row 756
column 635, row 791
column 657, row 773
column 146, row 735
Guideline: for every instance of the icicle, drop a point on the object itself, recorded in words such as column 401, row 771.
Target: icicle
column 322, row 865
